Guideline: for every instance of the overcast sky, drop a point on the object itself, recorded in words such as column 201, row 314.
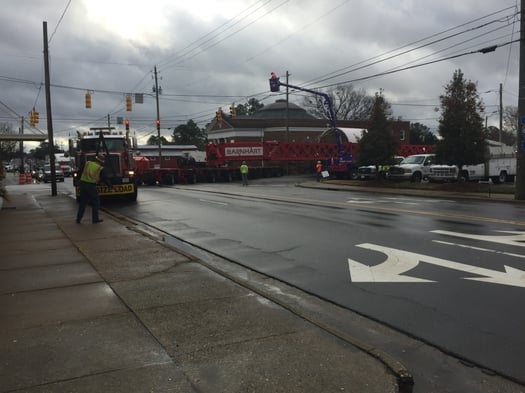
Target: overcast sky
column 212, row 53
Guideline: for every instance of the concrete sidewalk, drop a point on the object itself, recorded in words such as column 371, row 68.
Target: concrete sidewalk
column 104, row 308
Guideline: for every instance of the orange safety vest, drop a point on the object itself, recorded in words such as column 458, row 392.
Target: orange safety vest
column 91, row 172
column 319, row 167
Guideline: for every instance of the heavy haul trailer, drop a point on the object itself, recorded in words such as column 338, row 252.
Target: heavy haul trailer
column 265, row 159
column 184, row 171
column 119, row 165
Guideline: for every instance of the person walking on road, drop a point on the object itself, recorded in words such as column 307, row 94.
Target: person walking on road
column 244, row 173
column 319, row 170
column 91, row 173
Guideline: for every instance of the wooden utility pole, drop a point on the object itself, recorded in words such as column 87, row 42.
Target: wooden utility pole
column 158, row 116
column 520, row 170
column 49, row 117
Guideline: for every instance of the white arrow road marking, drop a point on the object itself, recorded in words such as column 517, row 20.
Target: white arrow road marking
column 516, row 238
column 510, row 254
column 399, row 262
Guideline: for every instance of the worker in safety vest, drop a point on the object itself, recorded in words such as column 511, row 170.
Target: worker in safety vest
column 319, row 170
column 244, row 173
column 91, row 173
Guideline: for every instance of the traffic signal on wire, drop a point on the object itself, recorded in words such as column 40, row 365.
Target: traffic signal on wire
column 233, row 111
column 126, row 122
column 128, row 103
column 35, row 116
column 88, row 100
column 158, row 124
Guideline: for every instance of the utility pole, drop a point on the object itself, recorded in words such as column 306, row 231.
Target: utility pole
column 287, row 126
column 49, row 117
column 500, row 110
column 158, row 117
column 21, row 147
column 520, row 156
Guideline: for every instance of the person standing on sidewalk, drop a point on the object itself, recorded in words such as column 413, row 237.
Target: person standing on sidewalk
column 91, row 173
column 244, row 173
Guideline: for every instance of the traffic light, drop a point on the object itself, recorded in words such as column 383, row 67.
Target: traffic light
column 126, row 122
column 88, row 100
column 233, row 111
column 218, row 115
column 32, row 118
column 158, row 124
column 35, row 116
column 128, row 103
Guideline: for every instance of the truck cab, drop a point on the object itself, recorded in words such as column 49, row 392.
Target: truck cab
column 414, row 168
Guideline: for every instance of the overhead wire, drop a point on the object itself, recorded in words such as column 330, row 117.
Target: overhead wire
column 394, row 53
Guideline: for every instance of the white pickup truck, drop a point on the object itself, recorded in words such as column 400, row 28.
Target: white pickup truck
column 414, row 168
column 499, row 167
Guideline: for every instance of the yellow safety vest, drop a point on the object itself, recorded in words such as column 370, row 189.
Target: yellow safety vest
column 91, row 172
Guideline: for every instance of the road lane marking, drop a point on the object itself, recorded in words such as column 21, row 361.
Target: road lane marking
column 480, row 249
column 514, row 238
column 398, row 262
column 348, row 203
column 214, row 202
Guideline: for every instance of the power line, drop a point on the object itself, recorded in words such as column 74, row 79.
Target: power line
column 59, row 21
column 393, row 53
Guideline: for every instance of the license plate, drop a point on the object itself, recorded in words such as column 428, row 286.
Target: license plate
column 117, row 189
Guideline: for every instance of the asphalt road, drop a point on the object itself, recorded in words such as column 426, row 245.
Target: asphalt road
column 439, row 266
column 449, row 272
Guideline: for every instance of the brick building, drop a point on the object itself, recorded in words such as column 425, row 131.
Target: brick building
column 281, row 122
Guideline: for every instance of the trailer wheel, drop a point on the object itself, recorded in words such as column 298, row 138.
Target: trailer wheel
column 169, row 180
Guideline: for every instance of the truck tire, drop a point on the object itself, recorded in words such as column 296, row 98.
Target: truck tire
column 416, row 177
column 169, row 180
column 502, row 178
column 463, row 177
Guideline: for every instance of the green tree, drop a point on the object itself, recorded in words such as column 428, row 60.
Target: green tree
column 420, row 134
column 154, row 140
column 377, row 145
column 510, row 124
column 41, row 152
column 8, row 149
column 251, row 108
column 348, row 104
column 507, row 137
column 461, row 124
column 190, row 134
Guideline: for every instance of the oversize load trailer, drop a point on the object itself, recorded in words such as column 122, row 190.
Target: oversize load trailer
column 265, row 159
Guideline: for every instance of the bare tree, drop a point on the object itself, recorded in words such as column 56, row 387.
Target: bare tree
column 348, row 103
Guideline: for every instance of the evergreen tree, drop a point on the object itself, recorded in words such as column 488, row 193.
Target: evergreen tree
column 190, row 134
column 251, row 108
column 377, row 145
column 461, row 124
column 421, row 135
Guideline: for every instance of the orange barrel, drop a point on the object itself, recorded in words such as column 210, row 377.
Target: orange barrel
column 22, row 178
column 29, row 179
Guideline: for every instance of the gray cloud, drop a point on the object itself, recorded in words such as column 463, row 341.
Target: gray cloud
column 207, row 62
